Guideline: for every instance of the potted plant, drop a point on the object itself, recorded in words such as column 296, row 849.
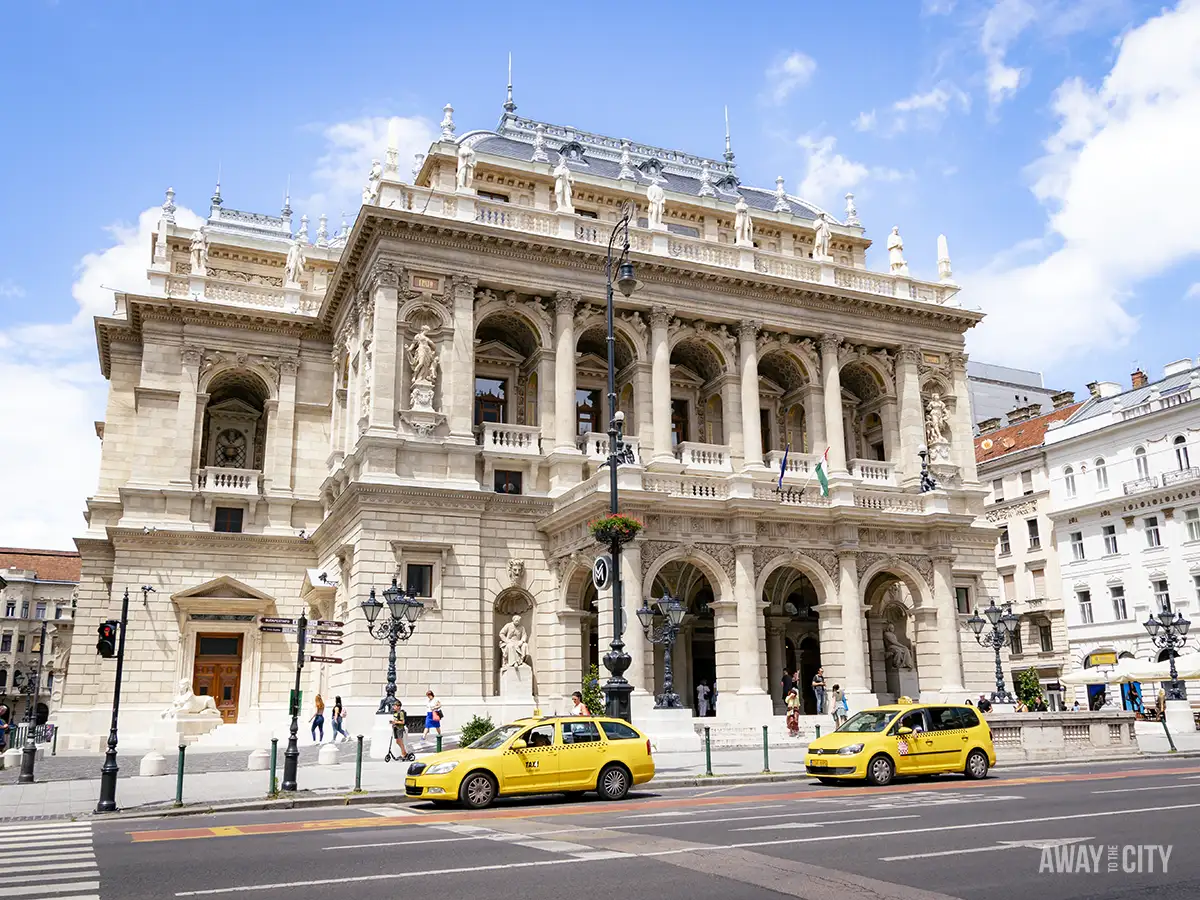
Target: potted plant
column 619, row 528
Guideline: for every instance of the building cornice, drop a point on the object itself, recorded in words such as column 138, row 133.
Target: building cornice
column 1130, row 504
column 212, row 541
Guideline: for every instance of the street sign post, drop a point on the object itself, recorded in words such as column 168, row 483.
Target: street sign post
column 321, row 640
column 272, row 629
column 325, row 659
column 329, row 623
column 275, row 620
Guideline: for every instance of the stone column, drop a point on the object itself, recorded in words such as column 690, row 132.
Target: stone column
column 726, row 656
column 458, row 385
column 337, row 403
column 385, row 292
column 731, row 416
column 853, row 631
column 776, row 655
column 831, row 384
column 643, row 408
column 754, row 704
column 185, row 415
column 891, row 443
column 661, row 383
column 814, row 419
column 751, row 422
column 564, row 372
column 631, row 601
column 281, row 428
column 962, row 438
column 546, row 420
column 947, row 624
column 912, row 417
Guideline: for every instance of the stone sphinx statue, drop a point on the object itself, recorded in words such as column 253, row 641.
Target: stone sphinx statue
column 189, row 703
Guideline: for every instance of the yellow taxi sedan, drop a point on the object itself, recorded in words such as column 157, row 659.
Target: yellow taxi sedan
column 877, row 745
column 546, row 755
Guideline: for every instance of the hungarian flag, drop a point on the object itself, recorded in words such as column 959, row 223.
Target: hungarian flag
column 822, row 473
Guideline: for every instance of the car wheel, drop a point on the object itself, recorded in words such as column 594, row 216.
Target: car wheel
column 881, row 770
column 613, row 783
column 478, row 790
column 977, row 765
column 826, row 780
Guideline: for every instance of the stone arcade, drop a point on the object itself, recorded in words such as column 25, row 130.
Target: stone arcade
column 291, row 423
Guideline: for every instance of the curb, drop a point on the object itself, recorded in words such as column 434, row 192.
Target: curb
column 302, row 800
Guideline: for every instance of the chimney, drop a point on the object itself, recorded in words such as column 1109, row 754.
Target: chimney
column 1033, row 410
column 1094, row 389
column 987, row 426
column 1020, row 414
column 1138, row 379
column 1062, row 399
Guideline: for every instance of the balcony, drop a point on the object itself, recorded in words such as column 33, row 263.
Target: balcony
column 510, row 440
column 874, row 471
column 687, row 486
column 704, row 457
column 1181, row 476
column 799, row 465
column 240, row 293
column 1149, row 483
column 230, row 482
column 594, row 445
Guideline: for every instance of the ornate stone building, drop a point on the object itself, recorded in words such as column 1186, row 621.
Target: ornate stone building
column 281, row 437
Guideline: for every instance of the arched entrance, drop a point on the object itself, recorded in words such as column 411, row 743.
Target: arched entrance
column 694, row 660
column 892, row 638
column 793, row 636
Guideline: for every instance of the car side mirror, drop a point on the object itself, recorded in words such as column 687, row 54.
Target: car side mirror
column 519, row 744
column 903, row 730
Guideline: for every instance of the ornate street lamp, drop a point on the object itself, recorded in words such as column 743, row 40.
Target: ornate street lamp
column 1003, row 623
column 927, row 482
column 671, row 612
column 1169, row 633
column 616, row 660
column 403, row 612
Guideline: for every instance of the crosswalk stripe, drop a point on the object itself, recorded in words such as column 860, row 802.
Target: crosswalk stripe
column 50, row 867
column 20, row 890
column 17, row 875
column 14, row 858
column 48, row 844
column 45, row 826
column 12, row 835
column 72, row 897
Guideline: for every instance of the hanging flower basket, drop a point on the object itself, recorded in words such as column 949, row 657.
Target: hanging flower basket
column 621, row 529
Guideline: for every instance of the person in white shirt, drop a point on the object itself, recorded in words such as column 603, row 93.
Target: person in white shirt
column 702, row 694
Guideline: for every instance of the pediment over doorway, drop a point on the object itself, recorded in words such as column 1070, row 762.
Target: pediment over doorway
column 223, row 595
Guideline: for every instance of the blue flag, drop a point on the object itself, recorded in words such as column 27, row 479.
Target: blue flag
column 783, row 465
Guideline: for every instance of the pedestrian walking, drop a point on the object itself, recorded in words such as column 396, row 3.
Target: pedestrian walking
column 318, row 720
column 793, row 712
column 1160, row 702
column 818, row 686
column 433, row 716
column 3, row 728
column 712, row 699
column 786, row 683
column 337, row 718
column 839, row 707
column 702, row 694
column 399, row 729
column 578, row 707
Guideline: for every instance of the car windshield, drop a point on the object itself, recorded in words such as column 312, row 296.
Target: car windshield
column 494, row 739
column 872, row 720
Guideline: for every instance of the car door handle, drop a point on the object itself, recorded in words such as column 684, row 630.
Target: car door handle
column 965, row 738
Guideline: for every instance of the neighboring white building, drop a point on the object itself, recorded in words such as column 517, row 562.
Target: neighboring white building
column 1012, row 466
column 1125, row 488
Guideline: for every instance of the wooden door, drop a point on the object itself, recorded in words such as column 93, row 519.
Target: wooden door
column 218, row 671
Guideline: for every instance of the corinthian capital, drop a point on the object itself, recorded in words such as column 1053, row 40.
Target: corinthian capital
column 958, row 361
column 190, row 355
column 908, row 355
column 660, row 317
column 748, row 329
column 565, row 303
column 463, row 286
column 830, row 343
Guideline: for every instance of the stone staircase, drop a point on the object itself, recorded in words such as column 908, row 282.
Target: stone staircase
column 738, row 736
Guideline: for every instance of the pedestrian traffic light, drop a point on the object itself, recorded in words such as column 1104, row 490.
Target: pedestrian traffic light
column 107, row 645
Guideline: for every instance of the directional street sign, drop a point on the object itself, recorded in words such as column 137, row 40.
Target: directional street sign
column 321, row 640
column 325, row 659
column 275, row 620
column 330, row 623
column 272, row 629
column 326, row 632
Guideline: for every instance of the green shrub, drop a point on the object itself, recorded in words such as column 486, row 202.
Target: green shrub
column 593, row 697
column 474, row 730
column 1029, row 687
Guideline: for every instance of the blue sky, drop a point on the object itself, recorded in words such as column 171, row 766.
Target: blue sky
column 1053, row 142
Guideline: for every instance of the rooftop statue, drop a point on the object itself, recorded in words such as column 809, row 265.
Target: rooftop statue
column 466, row 167
column 895, row 248
column 199, row 252
column 562, row 186
column 371, row 192
column 821, row 238
column 294, row 268
column 657, row 199
column 743, row 226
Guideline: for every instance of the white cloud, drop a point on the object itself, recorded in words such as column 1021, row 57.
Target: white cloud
column 341, row 171
column 929, row 108
column 785, row 76
column 1120, row 164
column 937, row 7
column 865, row 121
column 828, row 175
column 1193, row 292
column 1002, row 25
column 50, row 455
column 9, row 289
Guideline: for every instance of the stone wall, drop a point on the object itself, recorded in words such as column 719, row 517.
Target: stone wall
column 1054, row 737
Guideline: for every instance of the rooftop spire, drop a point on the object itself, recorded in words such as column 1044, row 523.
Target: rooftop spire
column 286, row 212
column 728, row 146
column 216, row 197
column 509, row 106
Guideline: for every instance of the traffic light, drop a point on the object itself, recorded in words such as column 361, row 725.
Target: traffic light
column 107, row 645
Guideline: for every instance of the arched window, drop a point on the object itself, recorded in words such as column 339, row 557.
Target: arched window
column 1101, row 474
column 3, row 678
column 1181, row 452
column 1143, row 463
column 1069, row 480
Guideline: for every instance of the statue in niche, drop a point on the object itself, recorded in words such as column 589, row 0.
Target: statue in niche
column 821, row 238
column 422, row 356
column 514, row 644
column 189, row 703
column 199, row 252
column 466, row 167
column 562, row 186
column 895, row 249
column 937, row 420
column 293, row 269
column 895, row 653
column 657, row 199
column 743, row 226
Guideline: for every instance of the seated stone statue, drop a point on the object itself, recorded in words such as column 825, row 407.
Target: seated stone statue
column 896, row 654
column 189, row 703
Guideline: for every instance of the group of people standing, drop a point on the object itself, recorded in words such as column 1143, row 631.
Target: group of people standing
column 337, row 719
column 831, row 701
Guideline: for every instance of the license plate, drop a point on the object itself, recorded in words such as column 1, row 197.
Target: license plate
column 410, row 782
column 818, row 764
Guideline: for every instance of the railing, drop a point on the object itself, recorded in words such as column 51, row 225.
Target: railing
column 874, row 471
column 798, row 464
column 595, row 446
column 786, row 268
column 888, row 502
column 687, row 486
column 790, row 495
column 702, row 251
column 1157, row 403
column 592, row 233
column 864, row 281
column 511, row 440
column 503, row 216
column 244, row 295
column 705, row 457
column 1149, row 483
column 241, row 482
column 1181, row 476
column 1177, row 399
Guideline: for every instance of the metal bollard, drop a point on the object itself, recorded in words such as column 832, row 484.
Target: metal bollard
column 707, row 752
column 766, row 753
column 818, row 731
column 358, row 767
column 1170, row 740
column 439, row 742
column 179, row 776
column 54, row 743
column 274, row 753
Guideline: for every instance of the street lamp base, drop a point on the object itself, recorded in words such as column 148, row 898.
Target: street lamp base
column 668, row 701
column 617, row 703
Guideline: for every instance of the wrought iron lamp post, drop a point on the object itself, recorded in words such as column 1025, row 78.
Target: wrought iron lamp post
column 31, row 689
column 403, row 612
column 616, row 660
column 927, row 481
column 1169, row 633
column 1003, row 623
column 671, row 611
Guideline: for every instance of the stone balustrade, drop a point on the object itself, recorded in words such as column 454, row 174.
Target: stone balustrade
column 884, row 501
column 800, row 465
column 594, row 445
column 235, row 482
column 874, row 471
column 511, row 440
column 704, row 457
column 1033, row 737
column 694, row 487
column 244, row 293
